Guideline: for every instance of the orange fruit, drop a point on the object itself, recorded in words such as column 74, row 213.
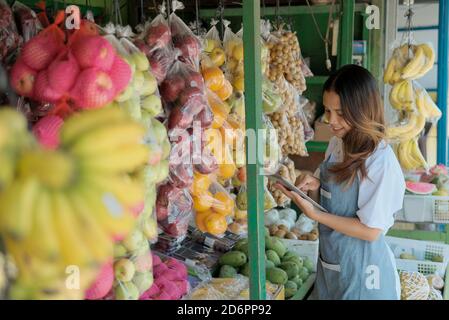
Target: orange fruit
column 239, row 83
column 220, row 114
column 203, row 202
column 223, row 204
column 225, row 91
column 201, row 184
column 214, row 142
column 218, row 57
column 216, row 224
column 213, row 78
column 240, row 214
column 226, row 170
column 200, row 218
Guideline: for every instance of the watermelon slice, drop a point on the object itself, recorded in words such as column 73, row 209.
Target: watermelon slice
column 420, row 188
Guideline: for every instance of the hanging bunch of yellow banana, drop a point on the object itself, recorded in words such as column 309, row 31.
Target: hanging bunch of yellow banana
column 416, row 107
column 61, row 210
column 409, row 62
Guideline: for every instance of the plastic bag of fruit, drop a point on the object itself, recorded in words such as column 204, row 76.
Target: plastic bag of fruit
column 271, row 98
column 213, row 205
column 184, row 39
column 214, row 79
column 285, row 58
column 220, row 109
column 233, row 46
column 242, row 201
column 308, row 130
column 183, row 95
column 10, row 40
column 272, row 152
column 173, row 209
column 28, row 22
column 213, row 46
column 133, row 265
column 425, row 102
column 287, row 171
column 170, row 280
column 157, row 34
column 180, row 162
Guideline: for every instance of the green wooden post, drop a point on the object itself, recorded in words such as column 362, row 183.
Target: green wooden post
column 346, row 33
column 253, row 110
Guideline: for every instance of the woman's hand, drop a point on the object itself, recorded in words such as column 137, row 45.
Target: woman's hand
column 306, row 182
column 306, row 207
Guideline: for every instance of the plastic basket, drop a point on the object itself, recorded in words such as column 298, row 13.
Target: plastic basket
column 423, row 251
column 424, row 209
column 305, row 249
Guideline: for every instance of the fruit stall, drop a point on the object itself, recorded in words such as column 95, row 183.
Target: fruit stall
column 131, row 164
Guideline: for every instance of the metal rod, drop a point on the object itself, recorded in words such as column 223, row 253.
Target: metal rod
column 347, row 33
column 253, row 113
column 443, row 56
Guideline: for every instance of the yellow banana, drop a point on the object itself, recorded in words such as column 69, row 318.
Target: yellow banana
column 85, row 121
column 417, row 155
column 397, row 131
column 108, row 138
column 395, row 96
column 430, row 60
column 389, row 71
column 108, row 211
column 415, row 65
column 18, row 216
column 128, row 192
column 122, row 160
column 404, row 156
column 43, row 240
column 395, row 78
column 7, row 169
column 94, row 235
column 69, row 232
column 432, row 110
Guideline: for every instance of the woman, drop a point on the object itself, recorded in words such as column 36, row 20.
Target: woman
column 361, row 185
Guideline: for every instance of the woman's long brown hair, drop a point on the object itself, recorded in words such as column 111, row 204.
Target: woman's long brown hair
column 363, row 110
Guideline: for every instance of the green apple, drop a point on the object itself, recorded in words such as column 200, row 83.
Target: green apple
column 152, row 104
column 150, row 228
column 143, row 281
column 149, row 84
column 119, row 251
column 124, row 270
column 133, row 241
column 141, row 61
column 159, row 131
column 127, row 291
column 163, row 171
column 139, row 79
column 144, row 247
column 166, row 149
column 132, row 107
column 132, row 64
column 126, row 94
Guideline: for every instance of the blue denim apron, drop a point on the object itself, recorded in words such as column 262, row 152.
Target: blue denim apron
column 350, row 268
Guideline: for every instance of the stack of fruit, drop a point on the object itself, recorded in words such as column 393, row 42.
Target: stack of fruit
column 83, row 73
column 416, row 286
column 65, row 207
column 282, row 267
column 233, row 45
column 170, row 280
column 285, row 59
column 287, row 171
column 213, row 205
column 413, row 103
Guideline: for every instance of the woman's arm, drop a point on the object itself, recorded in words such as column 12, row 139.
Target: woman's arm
column 352, row 227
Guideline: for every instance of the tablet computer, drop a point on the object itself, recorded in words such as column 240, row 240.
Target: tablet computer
column 289, row 186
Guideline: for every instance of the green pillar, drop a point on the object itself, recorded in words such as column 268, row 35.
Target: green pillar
column 255, row 192
column 346, row 33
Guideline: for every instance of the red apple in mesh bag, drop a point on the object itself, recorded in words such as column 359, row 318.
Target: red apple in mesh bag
column 23, row 79
column 182, row 285
column 158, row 36
column 40, row 51
column 102, row 284
column 205, row 117
column 192, row 99
column 182, row 175
column 179, row 119
column 189, row 46
column 94, row 51
column 120, row 74
column 195, row 79
column 94, row 88
column 46, row 131
column 63, row 72
column 43, row 91
column 208, row 163
column 160, row 61
column 171, row 88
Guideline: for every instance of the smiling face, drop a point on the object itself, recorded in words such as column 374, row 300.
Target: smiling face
column 334, row 114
